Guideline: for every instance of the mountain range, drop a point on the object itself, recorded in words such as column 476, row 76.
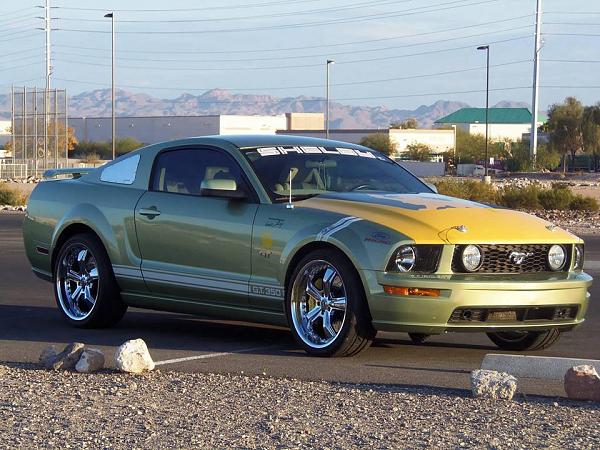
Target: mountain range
column 218, row 101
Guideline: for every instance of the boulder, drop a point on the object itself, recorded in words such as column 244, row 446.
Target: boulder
column 493, row 385
column 582, row 383
column 67, row 359
column 48, row 356
column 133, row 357
column 91, row 360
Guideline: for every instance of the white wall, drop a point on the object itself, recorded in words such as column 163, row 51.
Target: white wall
column 232, row 124
column 438, row 140
column 501, row 131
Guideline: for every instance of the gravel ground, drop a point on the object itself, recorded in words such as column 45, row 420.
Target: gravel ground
column 40, row 409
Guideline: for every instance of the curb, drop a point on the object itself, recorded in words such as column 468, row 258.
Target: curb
column 543, row 367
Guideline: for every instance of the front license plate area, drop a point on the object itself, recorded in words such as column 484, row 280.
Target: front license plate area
column 502, row 316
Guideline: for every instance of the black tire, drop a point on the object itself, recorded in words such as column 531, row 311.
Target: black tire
column 356, row 332
column 418, row 338
column 108, row 308
column 524, row 340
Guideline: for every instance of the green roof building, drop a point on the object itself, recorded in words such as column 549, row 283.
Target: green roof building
column 504, row 123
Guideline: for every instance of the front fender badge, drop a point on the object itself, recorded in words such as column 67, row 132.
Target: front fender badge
column 551, row 227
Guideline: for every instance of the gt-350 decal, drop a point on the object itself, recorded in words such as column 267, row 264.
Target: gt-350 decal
column 274, row 151
column 266, row 291
column 328, row 231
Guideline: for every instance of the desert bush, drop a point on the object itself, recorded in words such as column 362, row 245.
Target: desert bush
column 521, row 198
column 583, row 203
column 556, row 198
column 11, row 196
column 476, row 191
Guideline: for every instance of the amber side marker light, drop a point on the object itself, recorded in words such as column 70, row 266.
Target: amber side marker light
column 419, row 292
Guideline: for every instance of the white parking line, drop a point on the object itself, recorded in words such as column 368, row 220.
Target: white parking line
column 211, row 355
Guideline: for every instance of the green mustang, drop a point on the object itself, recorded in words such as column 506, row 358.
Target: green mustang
column 332, row 239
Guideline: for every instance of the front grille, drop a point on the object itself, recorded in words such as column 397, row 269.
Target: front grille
column 518, row 314
column 496, row 258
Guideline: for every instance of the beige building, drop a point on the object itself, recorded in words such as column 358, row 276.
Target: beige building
column 439, row 141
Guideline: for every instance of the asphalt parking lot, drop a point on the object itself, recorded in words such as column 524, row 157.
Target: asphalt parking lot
column 29, row 321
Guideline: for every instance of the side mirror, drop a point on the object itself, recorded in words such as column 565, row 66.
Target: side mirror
column 221, row 188
column 432, row 187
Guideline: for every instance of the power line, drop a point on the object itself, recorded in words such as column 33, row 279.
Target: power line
column 296, row 66
column 257, row 16
column 572, row 34
column 573, row 23
column 577, row 61
column 297, row 25
column 208, row 8
column 309, row 47
column 294, row 57
column 350, row 83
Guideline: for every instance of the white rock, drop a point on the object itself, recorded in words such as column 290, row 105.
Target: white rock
column 91, row 360
column 492, row 384
column 133, row 357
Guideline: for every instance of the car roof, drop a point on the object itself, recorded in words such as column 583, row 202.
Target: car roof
column 270, row 140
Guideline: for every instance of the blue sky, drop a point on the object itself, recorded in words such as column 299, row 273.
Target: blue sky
column 423, row 49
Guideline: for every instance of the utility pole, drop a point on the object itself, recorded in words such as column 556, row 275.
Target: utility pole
column 111, row 16
column 47, row 27
column 487, row 109
column 329, row 62
column 536, row 81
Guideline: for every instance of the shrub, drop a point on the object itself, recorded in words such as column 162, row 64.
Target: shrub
column 521, row 198
column 10, row 196
column 556, row 198
column 476, row 191
column 583, row 203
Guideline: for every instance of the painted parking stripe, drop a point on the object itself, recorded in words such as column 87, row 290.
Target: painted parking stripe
column 212, row 355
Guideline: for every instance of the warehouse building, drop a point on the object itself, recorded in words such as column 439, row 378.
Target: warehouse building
column 504, row 123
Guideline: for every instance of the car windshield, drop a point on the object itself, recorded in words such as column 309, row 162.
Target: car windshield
column 318, row 170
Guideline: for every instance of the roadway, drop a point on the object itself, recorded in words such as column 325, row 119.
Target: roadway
column 29, row 321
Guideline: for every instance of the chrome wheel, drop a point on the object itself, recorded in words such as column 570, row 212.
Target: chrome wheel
column 77, row 281
column 318, row 303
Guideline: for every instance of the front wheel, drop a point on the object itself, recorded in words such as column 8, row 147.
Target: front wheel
column 524, row 340
column 84, row 284
column 326, row 306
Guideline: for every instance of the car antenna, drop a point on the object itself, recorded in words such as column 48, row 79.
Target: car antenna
column 290, row 205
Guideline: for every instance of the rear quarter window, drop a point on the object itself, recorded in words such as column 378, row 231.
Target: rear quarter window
column 122, row 172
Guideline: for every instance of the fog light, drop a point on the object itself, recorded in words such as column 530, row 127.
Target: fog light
column 471, row 258
column 556, row 257
column 418, row 292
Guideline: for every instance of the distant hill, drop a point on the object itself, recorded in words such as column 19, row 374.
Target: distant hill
column 218, row 101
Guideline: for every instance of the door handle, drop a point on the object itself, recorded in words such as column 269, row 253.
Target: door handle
column 151, row 212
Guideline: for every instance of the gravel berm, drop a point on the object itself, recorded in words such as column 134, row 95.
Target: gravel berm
column 162, row 409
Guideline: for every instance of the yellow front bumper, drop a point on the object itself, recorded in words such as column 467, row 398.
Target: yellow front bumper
column 432, row 315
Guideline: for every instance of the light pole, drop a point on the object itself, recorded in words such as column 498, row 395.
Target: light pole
column 329, row 62
column 112, row 21
column 487, row 107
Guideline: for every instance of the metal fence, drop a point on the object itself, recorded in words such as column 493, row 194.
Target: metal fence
column 39, row 129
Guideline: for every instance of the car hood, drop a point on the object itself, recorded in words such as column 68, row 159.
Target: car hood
column 429, row 218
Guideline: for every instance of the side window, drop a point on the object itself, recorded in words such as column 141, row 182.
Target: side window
column 183, row 171
column 122, row 172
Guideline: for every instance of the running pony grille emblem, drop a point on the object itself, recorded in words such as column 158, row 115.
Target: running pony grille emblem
column 517, row 258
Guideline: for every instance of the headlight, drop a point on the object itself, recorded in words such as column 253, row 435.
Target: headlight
column 556, row 257
column 471, row 258
column 579, row 257
column 405, row 258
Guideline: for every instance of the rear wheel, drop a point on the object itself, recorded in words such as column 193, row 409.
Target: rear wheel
column 524, row 340
column 326, row 306
column 84, row 284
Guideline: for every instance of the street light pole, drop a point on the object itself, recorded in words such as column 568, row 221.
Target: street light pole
column 112, row 21
column 329, row 62
column 487, row 107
